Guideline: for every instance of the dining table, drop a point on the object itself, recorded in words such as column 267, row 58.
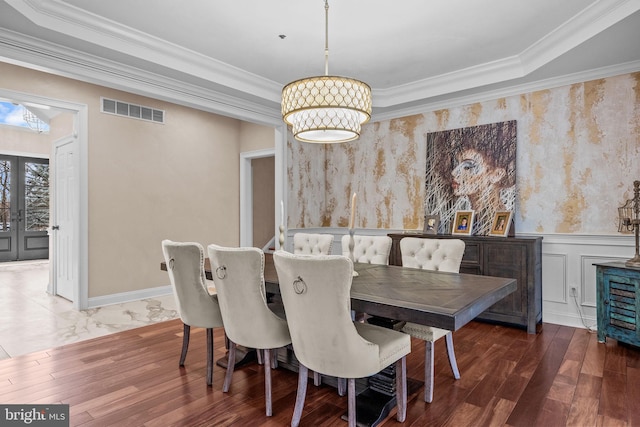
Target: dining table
column 440, row 299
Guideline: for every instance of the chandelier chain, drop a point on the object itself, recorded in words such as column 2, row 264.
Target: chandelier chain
column 326, row 37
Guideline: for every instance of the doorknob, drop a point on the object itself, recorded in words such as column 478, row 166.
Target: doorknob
column 55, row 227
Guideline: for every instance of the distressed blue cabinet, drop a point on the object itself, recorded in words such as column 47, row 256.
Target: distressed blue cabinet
column 618, row 302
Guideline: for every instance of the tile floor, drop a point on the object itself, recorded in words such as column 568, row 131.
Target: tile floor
column 33, row 320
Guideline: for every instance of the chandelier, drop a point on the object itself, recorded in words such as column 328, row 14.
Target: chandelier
column 326, row 109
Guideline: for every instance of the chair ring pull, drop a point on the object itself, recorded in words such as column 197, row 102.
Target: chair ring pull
column 171, row 262
column 299, row 286
column 221, row 272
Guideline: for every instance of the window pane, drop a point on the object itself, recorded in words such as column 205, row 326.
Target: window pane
column 36, row 196
column 5, row 195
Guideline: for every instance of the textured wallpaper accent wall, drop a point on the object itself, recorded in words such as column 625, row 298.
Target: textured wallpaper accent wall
column 577, row 156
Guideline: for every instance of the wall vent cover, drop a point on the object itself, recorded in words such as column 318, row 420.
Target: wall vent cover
column 120, row 108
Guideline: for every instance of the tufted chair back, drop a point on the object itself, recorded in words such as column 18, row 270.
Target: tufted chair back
column 312, row 244
column 368, row 249
column 432, row 254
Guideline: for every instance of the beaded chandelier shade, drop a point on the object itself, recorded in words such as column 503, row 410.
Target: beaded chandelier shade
column 326, row 109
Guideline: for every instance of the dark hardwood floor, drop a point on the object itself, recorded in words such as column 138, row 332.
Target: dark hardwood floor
column 561, row 376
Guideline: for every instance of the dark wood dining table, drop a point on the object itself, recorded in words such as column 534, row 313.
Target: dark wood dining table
column 444, row 300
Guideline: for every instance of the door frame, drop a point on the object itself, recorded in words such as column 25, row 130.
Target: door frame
column 246, row 186
column 80, row 133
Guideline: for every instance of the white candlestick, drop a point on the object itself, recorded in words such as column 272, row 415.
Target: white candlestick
column 281, row 212
column 352, row 219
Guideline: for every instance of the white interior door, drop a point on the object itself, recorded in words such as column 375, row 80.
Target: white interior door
column 65, row 216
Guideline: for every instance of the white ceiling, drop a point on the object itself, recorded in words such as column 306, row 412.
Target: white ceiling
column 237, row 55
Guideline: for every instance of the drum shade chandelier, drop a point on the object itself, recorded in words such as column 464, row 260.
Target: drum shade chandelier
column 326, row 109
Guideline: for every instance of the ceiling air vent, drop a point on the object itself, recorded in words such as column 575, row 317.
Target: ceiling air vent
column 119, row 108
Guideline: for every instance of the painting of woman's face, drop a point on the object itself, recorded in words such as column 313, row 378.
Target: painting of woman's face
column 473, row 174
column 471, row 168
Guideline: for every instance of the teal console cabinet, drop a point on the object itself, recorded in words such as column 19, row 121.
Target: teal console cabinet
column 618, row 302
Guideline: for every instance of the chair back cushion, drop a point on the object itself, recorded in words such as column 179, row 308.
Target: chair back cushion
column 312, row 244
column 368, row 249
column 185, row 264
column 432, row 254
column 315, row 291
column 238, row 274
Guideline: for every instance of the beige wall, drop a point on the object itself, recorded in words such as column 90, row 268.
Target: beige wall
column 256, row 137
column 24, row 142
column 578, row 153
column 148, row 181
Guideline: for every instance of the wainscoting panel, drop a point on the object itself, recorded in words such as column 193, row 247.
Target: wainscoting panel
column 554, row 270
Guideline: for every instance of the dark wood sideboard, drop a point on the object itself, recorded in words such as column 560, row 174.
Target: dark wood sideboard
column 514, row 257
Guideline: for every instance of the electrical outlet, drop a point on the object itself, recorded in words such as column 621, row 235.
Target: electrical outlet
column 574, row 291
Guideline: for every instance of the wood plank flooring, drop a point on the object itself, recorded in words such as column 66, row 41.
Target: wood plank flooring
column 559, row 377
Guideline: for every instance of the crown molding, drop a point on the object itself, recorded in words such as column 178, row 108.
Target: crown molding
column 47, row 57
column 65, row 18
column 62, row 17
column 513, row 90
column 591, row 21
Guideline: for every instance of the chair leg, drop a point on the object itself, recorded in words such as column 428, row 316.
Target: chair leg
column 317, row 379
column 303, row 371
column 351, row 401
column 209, row 356
column 342, row 386
column 267, row 381
column 401, row 389
column 452, row 356
column 428, row 371
column 186, row 330
column 231, row 361
column 259, row 356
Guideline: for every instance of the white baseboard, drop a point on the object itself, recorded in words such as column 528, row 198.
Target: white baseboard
column 129, row 296
column 569, row 319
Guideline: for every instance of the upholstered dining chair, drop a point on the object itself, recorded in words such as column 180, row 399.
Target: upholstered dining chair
column 368, row 249
column 316, row 295
column 438, row 255
column 196, row 306
column 312, row 244
column 238, row 274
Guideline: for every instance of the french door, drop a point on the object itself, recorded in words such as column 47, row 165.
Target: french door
column 24, row 208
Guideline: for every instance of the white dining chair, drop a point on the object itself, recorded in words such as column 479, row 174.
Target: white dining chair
column 316, row 295
column 312, row 243
column 196, row 306
column 438, row 255
column 368, row 249
column 238, row 274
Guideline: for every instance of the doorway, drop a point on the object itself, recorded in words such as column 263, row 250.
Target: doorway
column 76, row 120
column 24, row 208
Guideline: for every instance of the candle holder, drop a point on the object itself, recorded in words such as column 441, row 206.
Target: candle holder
column 352, row 244
column 629, row 221
column 281, row 238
